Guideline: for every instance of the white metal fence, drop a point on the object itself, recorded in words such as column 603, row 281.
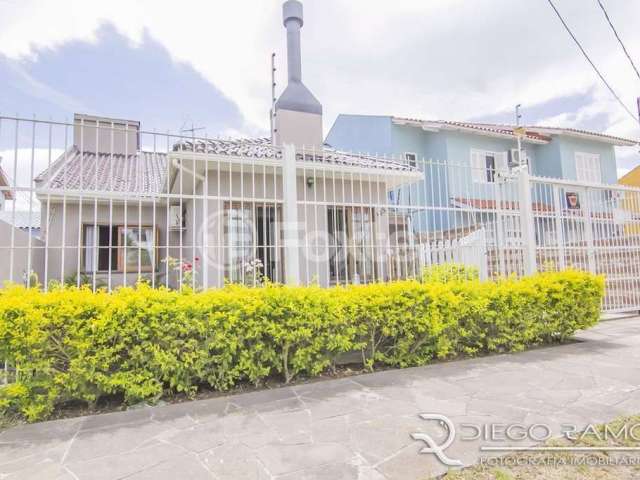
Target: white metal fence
column 107, row 203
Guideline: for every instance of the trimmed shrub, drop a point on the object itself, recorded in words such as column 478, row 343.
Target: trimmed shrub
column 450, row 272
column 143, row 343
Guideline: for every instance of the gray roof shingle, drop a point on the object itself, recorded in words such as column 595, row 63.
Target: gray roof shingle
column 263, row 148
column 143, row 172
column 146, row 172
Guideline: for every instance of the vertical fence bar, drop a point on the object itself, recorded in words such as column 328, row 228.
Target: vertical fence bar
column 13, row 204
column 45, row 229
column 290, row 213
column 588, row 228
column 526, row 222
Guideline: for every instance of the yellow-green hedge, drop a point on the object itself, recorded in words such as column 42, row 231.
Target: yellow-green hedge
column 142, row 343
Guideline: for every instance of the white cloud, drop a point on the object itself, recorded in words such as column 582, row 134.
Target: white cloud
column 623, row 171
column 627, row 157
column 436, row 59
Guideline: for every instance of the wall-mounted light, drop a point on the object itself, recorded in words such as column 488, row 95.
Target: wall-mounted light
column 310, row 182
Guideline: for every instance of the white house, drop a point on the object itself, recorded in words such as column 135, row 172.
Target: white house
column 119, row 201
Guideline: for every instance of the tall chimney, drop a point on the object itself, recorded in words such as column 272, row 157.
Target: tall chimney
column 298, row 112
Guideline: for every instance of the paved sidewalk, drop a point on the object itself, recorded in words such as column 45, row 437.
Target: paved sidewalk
column 355, row 428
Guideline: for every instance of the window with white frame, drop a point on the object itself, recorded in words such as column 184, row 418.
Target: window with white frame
column 252, row 231
column 410, row 158
column 486, row 165
column 588, row 167
column 117, row 249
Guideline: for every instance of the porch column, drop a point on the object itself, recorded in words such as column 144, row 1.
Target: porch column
column 290, row 216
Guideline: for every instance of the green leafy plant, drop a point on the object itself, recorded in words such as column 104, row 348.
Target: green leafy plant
column 141, row 343
column 450, row 272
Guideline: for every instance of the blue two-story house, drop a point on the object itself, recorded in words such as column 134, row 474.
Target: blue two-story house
column 554, row 152
column 466, row 169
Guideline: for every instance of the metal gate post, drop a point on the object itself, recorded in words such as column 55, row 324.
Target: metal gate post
column 290, row 216
column 526, row 222
column 501, row 244
column 588, row 232
column 557, row 215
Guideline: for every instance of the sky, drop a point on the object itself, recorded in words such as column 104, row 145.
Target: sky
column 206, row 63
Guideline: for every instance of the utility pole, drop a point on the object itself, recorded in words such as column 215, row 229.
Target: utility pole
column 272, row 112
column 519, row 131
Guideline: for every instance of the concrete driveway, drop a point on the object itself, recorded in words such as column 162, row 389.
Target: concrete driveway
column 352, row 428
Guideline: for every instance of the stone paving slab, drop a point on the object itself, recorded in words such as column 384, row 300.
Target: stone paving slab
column 356, row 428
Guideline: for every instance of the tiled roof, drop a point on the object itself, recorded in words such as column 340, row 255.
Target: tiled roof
column 534, row 133
column 480, row 128
column 537, row 207
column 146, row 172
column 613, row 138
column 244, row 147
column 263, row 148
column 487, row 204
column 546, row 132
column 143, row 173
column 500, row 129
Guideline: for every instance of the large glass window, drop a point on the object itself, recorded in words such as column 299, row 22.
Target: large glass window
column 253, row 242
column 135, row 249
column 351, row 244
column 485, row 165
column 104, row 248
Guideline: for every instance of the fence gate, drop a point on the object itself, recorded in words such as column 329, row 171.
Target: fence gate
column 590, row 227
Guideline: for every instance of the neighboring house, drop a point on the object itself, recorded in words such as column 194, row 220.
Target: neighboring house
column 19, row 246
column 23, row 220
column 113, row 210
column 632, row 179
column 553, row 152
column 466, row 163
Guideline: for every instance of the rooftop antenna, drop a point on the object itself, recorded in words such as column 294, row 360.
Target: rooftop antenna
column 272, row 113
column 191, row 130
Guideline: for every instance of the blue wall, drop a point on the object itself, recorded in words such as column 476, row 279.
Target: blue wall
column 557, row 159
column 568, row 148
column 361, row 133
column 379, row 135
column 548, row 162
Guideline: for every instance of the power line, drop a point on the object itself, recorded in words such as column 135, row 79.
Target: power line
column 615, row 32
column 591, row 62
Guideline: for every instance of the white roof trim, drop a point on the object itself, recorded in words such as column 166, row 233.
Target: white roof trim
column 598, row 137
column 431, row 126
